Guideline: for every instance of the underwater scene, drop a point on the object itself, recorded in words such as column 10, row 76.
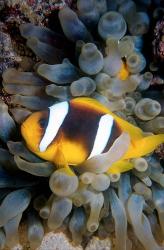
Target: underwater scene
column 82, row 123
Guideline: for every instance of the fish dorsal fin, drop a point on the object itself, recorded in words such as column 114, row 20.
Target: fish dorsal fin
column 134, row 132
column 90, row 102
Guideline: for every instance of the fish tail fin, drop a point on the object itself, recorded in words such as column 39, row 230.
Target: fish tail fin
column 144, row 146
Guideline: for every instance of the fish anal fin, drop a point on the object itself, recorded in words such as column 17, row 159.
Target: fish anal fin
column 120, row 167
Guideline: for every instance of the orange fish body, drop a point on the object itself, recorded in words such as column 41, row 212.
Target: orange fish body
column 75, row 131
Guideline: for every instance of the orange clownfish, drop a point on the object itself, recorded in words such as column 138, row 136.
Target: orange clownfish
column 85, row 133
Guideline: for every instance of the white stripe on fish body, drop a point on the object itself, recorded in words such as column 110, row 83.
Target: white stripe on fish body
column 57, row 115
column 103, row 135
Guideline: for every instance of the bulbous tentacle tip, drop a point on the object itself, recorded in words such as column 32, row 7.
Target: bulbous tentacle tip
column 60, row 209
column 72, row 26
column 112, row 24
column 62, row 183
column 92, row 227
column 35, row 230
column 91, row 59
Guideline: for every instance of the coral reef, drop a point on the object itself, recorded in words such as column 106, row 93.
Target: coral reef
column 35, row 11
column 158, row 43
column 96, row 51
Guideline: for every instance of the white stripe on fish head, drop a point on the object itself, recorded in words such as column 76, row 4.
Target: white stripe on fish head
column 103, row 135
column 57, row 114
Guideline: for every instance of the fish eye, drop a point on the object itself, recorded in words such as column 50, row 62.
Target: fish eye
column 43, row 123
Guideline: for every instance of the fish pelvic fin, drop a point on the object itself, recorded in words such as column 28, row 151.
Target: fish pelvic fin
column 144, row 146
column 61, row 162
column 59, row 158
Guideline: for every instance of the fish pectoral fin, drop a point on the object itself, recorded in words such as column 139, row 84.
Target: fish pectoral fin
column 120, row 167
column 59, row 159
column 100, row 163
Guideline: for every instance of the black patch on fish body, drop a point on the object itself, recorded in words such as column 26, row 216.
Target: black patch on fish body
column 81, row 125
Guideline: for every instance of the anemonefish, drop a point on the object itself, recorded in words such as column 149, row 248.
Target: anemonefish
column 82, row 131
